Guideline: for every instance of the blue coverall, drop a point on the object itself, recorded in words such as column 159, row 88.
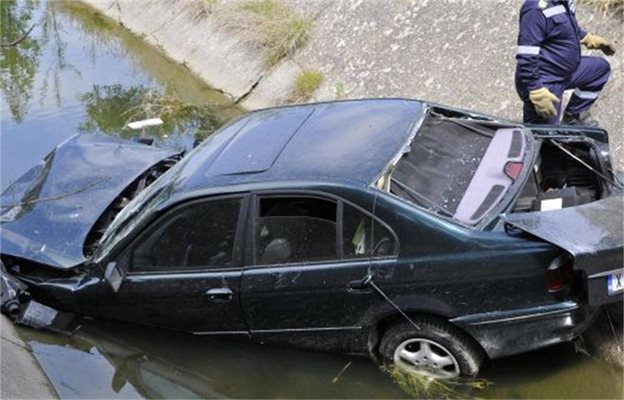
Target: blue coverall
column 549, row 55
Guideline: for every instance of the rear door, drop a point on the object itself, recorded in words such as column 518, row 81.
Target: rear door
column 183, row 271
column 309, row 253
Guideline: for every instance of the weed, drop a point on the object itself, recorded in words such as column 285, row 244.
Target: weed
column 615, row 7
column 268, row 24
column 306, row 83
column 420, row 386
column 339, row 90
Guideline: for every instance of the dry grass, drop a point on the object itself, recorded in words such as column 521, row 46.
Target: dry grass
column 422, row 387
column 615, row 7
column 267, row 24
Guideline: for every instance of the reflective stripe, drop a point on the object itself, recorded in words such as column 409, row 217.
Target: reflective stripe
column 552, row 11
column 572, row 6
column 585, row 95
column 533, row 50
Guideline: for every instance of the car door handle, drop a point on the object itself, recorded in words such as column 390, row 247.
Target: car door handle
column 219, row 295
column 359, row 285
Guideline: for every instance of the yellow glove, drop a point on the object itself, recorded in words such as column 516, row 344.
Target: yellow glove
column 544, row 102
column 595, row 42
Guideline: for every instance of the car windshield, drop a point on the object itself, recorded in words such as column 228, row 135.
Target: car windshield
column 460, row 168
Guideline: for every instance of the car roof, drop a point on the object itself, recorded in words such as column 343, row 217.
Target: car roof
column 341, row 141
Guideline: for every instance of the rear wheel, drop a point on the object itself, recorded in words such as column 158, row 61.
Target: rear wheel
column 436, row 350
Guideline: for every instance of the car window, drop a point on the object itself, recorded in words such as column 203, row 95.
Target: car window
column 295, row 229
column 200, row 235
column 364, row 237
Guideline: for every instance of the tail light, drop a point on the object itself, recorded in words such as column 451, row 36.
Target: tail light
column 559, row 276
column 513, row 169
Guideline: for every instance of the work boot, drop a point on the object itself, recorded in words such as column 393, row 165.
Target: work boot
column 580, row 119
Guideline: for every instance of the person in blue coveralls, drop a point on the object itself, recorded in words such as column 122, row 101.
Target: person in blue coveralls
column 549, row 61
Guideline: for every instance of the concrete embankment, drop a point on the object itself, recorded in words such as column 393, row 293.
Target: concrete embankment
column 460, row 53
column 21, row 376
column 456, row 52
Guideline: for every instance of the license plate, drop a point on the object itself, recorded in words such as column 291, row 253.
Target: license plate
column 615, row 283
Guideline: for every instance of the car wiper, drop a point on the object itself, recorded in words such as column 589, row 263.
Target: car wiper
column 420, row 196
column 583, row 163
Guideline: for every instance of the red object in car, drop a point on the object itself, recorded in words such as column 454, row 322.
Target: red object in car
column 513, row 169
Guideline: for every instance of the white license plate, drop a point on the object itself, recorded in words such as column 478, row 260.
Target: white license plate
column 615, row 283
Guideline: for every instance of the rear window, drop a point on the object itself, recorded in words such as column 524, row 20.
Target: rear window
column 456, row 167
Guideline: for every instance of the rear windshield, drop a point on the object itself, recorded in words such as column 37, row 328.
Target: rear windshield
column 457, row 167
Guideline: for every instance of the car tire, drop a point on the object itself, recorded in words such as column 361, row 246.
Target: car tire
column 437, row 349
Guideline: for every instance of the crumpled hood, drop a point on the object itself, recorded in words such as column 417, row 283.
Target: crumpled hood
column 593, row 233
column 48, row 212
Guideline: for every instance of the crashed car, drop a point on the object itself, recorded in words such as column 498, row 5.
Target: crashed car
column 419, row 234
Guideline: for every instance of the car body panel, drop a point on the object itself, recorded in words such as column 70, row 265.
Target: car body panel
column 48, row 213
column 593, row 233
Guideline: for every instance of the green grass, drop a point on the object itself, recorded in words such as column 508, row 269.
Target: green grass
column 306, row 83
column 267, row 24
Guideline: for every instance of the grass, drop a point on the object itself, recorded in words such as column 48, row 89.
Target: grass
column 419, row 386
column 267, row 24
column 306, row 83
column 607, row 6
column 339, row 90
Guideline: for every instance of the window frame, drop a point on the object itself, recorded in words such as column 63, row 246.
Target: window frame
column 254, row 207
column 153, row 225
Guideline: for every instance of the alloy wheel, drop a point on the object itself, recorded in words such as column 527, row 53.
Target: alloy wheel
column 427, row 358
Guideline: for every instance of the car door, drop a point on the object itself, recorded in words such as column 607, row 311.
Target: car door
column 310, row 251
column 183, row 271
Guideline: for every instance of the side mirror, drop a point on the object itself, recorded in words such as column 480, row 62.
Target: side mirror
column 114, row 276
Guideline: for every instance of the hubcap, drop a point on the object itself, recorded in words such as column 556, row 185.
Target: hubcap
column 427, row 358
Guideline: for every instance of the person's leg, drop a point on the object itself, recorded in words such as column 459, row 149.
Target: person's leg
column 587, row 81
column 528, row 109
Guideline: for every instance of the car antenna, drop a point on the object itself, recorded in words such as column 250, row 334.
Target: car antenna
column 368, row 280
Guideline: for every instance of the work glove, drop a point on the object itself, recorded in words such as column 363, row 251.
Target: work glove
column 595, row 42
column 544, row 102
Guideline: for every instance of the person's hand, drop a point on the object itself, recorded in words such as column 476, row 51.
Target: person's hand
column 544, row 102
column 595, row 42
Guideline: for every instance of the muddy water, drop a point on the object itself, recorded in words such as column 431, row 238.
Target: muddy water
column 77, row 73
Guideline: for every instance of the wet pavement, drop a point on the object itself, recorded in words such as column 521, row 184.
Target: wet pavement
column 77, row 73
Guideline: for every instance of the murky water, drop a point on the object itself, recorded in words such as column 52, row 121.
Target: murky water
column 77, row 73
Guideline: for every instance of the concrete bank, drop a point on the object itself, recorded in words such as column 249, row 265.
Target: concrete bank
column 456, row 52
column 21, row 375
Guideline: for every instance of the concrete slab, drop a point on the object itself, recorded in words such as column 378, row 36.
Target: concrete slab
column 21, row 377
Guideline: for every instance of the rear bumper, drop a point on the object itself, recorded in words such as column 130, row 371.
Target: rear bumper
column 505, row 333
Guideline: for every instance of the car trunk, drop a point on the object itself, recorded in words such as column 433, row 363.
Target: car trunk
column 592, row 233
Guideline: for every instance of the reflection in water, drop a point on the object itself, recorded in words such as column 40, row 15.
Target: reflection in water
column 115, row 360
column 110, row 107
column 130, row 361
column 18, row 63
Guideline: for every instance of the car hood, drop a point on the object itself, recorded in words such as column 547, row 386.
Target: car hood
column 592, row 233
column 49, row 211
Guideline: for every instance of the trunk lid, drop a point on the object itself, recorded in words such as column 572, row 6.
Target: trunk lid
column 48, row 212
column 592, row 233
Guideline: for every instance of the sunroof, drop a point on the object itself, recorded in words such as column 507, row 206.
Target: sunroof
column 260, row 141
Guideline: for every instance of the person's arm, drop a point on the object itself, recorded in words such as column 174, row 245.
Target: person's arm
column 530, row 37
column 593, row 41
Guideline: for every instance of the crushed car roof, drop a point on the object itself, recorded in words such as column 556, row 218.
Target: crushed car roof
column 337, row 141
